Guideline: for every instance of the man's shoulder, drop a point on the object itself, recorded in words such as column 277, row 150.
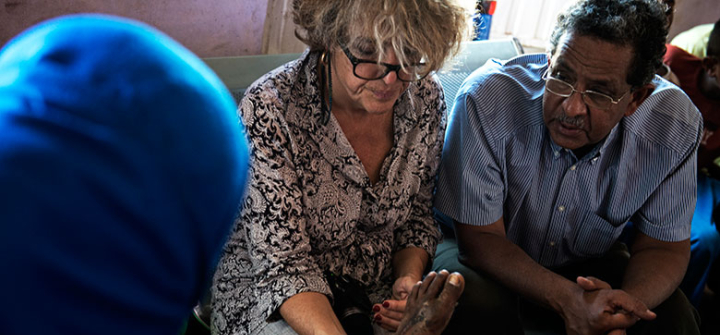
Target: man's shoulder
column 520, row 71
column 667, row 117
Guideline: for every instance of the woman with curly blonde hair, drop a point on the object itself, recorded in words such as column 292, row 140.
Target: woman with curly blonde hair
column 346, row 144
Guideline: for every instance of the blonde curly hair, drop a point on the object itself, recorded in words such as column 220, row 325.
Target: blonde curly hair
column 430, row 29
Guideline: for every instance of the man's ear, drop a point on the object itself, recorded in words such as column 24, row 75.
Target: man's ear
column 638, row 96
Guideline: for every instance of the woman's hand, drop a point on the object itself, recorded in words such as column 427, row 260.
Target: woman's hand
column 389, row 314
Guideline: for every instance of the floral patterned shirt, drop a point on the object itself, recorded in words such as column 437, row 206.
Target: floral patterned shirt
column 311, row 207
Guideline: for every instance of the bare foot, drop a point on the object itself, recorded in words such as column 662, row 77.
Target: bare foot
column 431, row 304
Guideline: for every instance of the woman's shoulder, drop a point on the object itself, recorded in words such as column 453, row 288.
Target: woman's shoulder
column 273, row 92
column 280, row 80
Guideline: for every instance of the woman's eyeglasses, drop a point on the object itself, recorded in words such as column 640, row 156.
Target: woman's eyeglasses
column 372, row 70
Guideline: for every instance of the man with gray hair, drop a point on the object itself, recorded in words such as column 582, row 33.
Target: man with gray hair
column 548, row 157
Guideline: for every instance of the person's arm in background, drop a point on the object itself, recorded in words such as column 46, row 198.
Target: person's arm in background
column 417, row 238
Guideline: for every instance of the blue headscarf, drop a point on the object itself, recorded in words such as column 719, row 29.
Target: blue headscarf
column 122, row 166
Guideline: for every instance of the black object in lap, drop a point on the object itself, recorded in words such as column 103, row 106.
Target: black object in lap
column 351, row 304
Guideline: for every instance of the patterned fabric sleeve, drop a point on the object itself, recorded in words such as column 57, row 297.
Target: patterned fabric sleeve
column 271, row 222
column 420, row 230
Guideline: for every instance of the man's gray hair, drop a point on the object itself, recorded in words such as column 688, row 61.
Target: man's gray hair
column 640, row 24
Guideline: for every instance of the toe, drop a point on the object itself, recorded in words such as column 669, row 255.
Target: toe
column 454, row 287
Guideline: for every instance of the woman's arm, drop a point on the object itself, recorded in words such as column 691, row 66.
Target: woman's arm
column 417, row 238
column 409, row 262
column 310, row 313
column 271, row 246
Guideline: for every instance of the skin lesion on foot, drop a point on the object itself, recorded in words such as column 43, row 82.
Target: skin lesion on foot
column 431, row 304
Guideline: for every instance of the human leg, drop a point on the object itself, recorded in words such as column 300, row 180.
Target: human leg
column 714, row 278
column 609, row 268
column 674, row 316
column 484, row 304
column 429, row 307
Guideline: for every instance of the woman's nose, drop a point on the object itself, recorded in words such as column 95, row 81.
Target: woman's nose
column 390, row 78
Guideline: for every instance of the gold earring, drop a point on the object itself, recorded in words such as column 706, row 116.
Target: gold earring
column 323, row 57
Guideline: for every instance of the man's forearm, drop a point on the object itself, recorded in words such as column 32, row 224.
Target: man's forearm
column 511, row 266
column 655, row 269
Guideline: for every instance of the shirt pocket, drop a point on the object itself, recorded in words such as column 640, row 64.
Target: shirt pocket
column 594, row 236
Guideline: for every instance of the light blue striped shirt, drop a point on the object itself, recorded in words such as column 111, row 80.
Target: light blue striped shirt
column 499, row 160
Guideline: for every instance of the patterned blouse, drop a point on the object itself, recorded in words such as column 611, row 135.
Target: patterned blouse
column 311, row 207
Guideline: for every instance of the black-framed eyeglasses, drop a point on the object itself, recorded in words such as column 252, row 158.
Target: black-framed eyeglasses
column 372, row 70
column 591, row 98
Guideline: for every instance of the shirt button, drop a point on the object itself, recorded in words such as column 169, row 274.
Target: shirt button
column 594, row 160
column 552, row 243
column 561, row 208
column 557, row 153
column 572, row 168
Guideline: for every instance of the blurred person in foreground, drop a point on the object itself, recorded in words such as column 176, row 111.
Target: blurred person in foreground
column 548, row 157
column 122, row 164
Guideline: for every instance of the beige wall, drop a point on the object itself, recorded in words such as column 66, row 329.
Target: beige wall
column 212, row 28
column 690, row 13
column 279, row 36
column 207, row 27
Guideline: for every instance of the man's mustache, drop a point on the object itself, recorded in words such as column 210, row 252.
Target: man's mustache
column 577, row 122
